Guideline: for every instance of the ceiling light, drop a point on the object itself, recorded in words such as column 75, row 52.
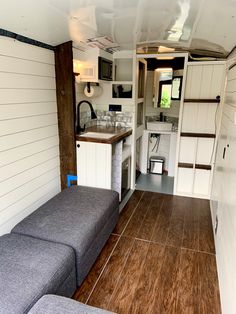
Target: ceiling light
column 164, row 58
column 164, row 69
column 163, row 49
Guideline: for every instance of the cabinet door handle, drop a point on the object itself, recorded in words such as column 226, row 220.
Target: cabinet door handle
column 78, row 145
column 224, row 152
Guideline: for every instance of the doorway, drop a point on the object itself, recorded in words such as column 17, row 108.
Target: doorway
column 156, row 148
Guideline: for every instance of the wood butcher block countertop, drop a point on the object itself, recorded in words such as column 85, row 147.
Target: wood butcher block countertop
column 118, row 134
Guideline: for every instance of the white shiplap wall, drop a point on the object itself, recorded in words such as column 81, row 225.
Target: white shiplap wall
column 29, row 143
column 223, row 197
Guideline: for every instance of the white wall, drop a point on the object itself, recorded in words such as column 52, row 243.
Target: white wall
column 223, row 198
column 29, row 152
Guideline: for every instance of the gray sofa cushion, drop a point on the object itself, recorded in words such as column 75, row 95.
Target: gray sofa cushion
column 30, row 268
column 74, row 217
column 52, row 304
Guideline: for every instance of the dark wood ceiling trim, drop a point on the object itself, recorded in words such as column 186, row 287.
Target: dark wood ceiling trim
column 24, row 39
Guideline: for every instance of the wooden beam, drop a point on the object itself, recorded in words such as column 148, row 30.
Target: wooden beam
column 65, row 85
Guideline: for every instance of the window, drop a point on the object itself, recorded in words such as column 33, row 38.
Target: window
column 176, row 88
column 165, row 90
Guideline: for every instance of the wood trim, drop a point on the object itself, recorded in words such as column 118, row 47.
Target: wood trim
column 196, row 166
column 202, row 100
column 204, row 135
column 65, row 86
column 203, row 167
column 233, row 65
column 185, row 165
column 24, row 39
column 116, row 134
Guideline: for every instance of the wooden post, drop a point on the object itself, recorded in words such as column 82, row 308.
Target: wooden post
column 65, row 85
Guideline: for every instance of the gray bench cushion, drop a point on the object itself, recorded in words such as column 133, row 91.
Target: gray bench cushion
column 79, row 217
column 52, row 304
column 30, row 268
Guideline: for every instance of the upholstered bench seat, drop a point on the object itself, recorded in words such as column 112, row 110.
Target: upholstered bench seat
column 30, row 268
column 52, row 304
column 80, row 217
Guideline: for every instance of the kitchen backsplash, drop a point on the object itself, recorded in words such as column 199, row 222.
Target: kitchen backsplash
column 107, row 118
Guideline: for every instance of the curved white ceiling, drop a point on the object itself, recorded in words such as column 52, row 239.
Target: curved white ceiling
column 198, row 24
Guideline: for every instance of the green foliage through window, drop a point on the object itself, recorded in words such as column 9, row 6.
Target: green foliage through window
column 165, row 96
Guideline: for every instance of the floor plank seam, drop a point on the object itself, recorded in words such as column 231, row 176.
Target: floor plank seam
column 102, row 271
column 148, row 208
column 119, row 277
column 172, row 246
column 157, row 218
column 132, row 215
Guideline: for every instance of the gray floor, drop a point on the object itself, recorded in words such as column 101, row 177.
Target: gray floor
column 155, row 183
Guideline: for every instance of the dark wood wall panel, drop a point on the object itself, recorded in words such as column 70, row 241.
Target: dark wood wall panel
column 66, row 109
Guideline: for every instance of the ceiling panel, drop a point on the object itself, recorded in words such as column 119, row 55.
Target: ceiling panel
column 198, row 24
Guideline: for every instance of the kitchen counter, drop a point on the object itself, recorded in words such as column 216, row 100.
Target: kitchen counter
column 118, row 134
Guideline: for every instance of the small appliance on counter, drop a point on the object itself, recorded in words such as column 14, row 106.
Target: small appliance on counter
column 156, row 164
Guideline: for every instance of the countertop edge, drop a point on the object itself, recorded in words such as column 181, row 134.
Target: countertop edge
column 114, row 139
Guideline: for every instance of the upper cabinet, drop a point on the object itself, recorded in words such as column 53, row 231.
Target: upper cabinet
column 86, row 63
column 122, row 85
column 123, row 69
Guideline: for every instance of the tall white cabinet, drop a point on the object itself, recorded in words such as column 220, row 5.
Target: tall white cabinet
column 198, row 128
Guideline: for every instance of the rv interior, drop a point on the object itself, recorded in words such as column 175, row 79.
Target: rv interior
column 117, row 156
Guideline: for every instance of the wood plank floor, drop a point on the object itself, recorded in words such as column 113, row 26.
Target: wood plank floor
column 160, row 259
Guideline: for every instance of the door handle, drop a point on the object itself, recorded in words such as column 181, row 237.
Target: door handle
column 78, row 145
column 224, row 152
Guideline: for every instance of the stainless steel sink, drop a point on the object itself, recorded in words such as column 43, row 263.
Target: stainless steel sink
column 159, row 126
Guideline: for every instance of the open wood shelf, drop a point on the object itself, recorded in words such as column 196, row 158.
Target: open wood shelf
column 207, row 101
column 196, row 166
column 204, row 135
column 185, row 165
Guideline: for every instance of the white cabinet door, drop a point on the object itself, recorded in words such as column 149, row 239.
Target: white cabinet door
column 199, row 117
column 204, row 151
column 185, row 181
column 94, row 164
column 201, row 186
column 187, row 150
column 204, row 80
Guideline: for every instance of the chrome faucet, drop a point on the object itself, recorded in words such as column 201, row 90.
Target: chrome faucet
column 93, row 115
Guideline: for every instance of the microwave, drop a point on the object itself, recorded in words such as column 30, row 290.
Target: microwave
column 104, row 69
